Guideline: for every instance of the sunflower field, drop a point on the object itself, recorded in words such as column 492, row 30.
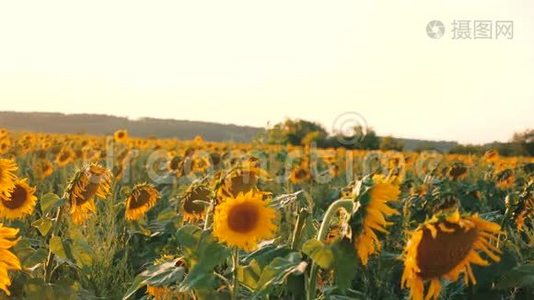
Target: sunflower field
column 118, row 217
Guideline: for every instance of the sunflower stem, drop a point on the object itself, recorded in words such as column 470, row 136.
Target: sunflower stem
column 48, row 268
column 298, row 228
column 208, row 213
column 349, row 205
column 235, row 267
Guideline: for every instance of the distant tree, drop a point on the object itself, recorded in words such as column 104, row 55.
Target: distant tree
column 525, row 140
column 296, row 132
column 391, row 143
column 467, row 149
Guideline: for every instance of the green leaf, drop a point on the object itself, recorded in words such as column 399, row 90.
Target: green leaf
column 345, row 264
column 202, row 254
column 43, row 225
column 82, row 253
column 249, row 275
column 34, row 259
column 50, row 201
column 280, row 268
column 37, row 289
column 319, row 252
column 165, row 274
column 62, row 249
column 56, row 246
column 521, row 276
column 265, row 255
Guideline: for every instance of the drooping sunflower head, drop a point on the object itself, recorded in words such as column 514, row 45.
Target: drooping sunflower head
column 242, row 179
column 525, row 206
column 445, row 247
column 457, row 171
column 505, row 179
column 165, row 289
column 142, row 198
column 120, row 136
column 374, row 195
column 7, row 177
column 244, row 221
column 20, row 203
column 491, row 156
column 194, row 202
column 90, row 182
column 8, row 260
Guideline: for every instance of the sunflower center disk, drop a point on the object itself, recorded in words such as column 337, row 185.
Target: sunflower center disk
column 437, row 256
column 243, row 218
column 140, row 200
column 243, row 183
column 18, row 198
column 88, row 193
column 190, row 206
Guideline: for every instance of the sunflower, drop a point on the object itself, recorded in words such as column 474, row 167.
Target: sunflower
column 3, row 133
column 456, row 241
column 20, row 202
column 491, row 156
column 165, row 292
column 191, row 210
column 43, row 168
column 120, row 136
column 242, row 179
column 198, row 140
column 8, row 261
column 505, row 179
column 64, row 157
column 244, row 221
column 141, row 199
column 90, row 182
column 7, row 176
column 457, row 171
column 374, row 205
column 5, row 145
column 300, row 174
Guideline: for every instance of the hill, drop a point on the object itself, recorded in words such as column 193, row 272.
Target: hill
column 151, row 127
column 105, row 124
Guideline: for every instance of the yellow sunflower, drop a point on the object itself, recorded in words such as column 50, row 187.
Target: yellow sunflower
column 300, row 174
column 64, row 157
column 505, row 179
column 141, row 199
column 244, row 221
column 8, row 261
column 20, row 202
column 191, row 210
column 5, row 145
column 90, row 182
column 456, row 241
column 43, row 168
column 7, row 177
column 198, row 140
column 372, row 215
column 120, row 136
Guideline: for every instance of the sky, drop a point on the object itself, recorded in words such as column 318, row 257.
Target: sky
column 259, row 62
